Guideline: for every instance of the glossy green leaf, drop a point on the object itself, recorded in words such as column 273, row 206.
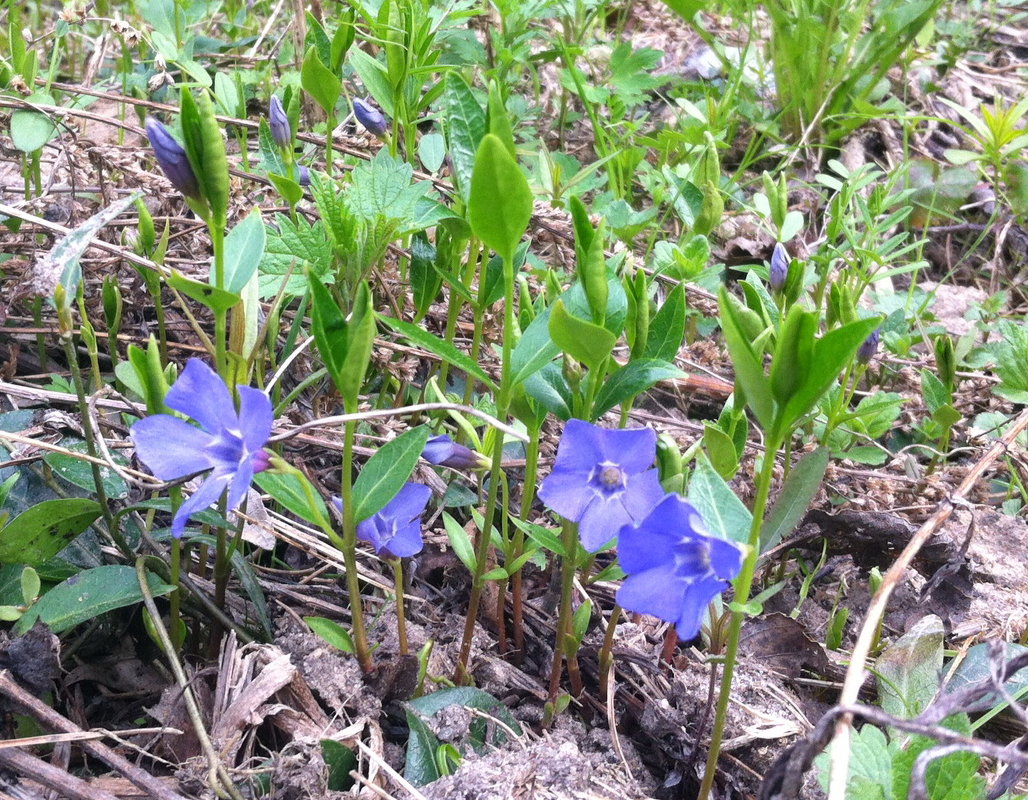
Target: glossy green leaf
column 446, row 351
column 373, row 75
column 345, row 343
column 341, row 761
column 749, row 369
column 79, row 472
column 387, row 471
column 632, row 379
column 720, row 507
column 42, row 531
column 288, row 489
column 667, row 328
column 461, row 542
column 500, row 205
column 720, row 449
column 89, row 594
column 214, row 298
column 797, row 494
column 319, row 81
column 584, row 341
column 31, row 130
column 465, row 124
column 244, row 248
column 332, row 632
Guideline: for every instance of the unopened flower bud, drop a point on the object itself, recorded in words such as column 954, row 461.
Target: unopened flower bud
column 870, row 346
column 173, row 160
column 370, row 117
column 444, row 452
column 779, row 267
column 303, row 176
column 280, row 130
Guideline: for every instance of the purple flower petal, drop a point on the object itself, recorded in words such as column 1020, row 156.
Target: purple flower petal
column 657, row 592
column 406, row 541
column 409, row 502
column 581, row 448
column 633, row 450
column 642, row 492
column 171, row 447
column 725, row 558
column 601, row 522
column 567, row 493
column 204, row 497
column 256, row 417
column 694, row 605
column 241, row 480
column 202, row 395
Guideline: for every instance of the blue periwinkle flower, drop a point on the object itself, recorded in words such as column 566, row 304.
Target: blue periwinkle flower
column 279, row 122
column 602, row 479
column 370, row 117
column 867, row 350
column 173, row 160
column 228, row 442
column 675, row 567
column 444, row 452
column 303, row 176
column 395, row 531
column 779, row 267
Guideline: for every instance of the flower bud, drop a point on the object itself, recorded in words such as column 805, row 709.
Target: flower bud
column 280, row 129
column 444, row 452
column 303, row 176
column 173, row 160
column 870, row 346
column 370, row 117
column 779, row 267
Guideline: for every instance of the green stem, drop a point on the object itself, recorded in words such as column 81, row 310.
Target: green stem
column 90, row 436
column 606, row 657
column 502, row 407
column 175, row 601
column 220, row 315
column 360, row 637
column 518, row 546
column 742, row 585
column 401, row 619
column 569, row 540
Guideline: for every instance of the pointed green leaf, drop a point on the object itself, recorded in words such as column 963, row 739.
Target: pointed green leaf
column 501, row 201
column 387, row 471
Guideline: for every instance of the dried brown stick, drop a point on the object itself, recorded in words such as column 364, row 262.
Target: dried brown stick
column 46, row 774
column 856, row 672
column 46, row 716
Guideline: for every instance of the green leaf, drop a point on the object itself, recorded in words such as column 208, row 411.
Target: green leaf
column 332, row 632
column 480, row 734
column 319, row 81
column 667, row 328
column 632, row 379
column 89, row 594
column 373, row 75
column 909, row 670
column 461, row 542
column 546, row 538
column 381, row 189
column 387, row 471
column 425, row 279
column 211, row 296
column 31, row 130
column 720, row 449
column 749, row 370
column 80, row 473
column 795, row 498
column 832, row 352
column 500, row 205
column 298, row 245
column 244, row 248
column 42, row 531
column 464, row 123
column 288, row 489
column 432, row 151
column 584, row 341
column 721, row 509
column 420, row 767
column 344, row 343
column 550, row 389
column 446, row 351
column 341, row 761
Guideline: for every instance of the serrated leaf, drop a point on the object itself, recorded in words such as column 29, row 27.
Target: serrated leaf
column 89, row 594
column 298, row 245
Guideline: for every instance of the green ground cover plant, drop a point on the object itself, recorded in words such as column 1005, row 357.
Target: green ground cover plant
column 410, row 384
